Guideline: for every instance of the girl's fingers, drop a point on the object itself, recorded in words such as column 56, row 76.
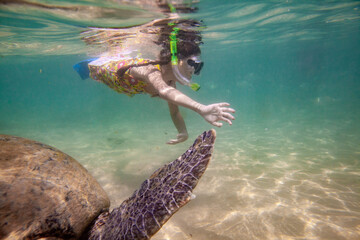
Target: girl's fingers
column 228, row 116
column 228, row 110
column 226, row 120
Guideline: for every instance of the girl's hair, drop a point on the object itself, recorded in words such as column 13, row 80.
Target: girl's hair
column 184, row 49
column 188, row 40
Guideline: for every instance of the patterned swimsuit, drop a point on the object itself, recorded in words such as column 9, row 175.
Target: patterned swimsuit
column 105, row 70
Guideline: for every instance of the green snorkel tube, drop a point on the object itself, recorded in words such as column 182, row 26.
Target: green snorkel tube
column 175, row 60
column 172, row 8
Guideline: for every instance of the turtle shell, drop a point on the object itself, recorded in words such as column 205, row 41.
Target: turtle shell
column 45, row 192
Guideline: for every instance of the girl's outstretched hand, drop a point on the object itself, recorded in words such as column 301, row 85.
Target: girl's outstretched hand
column 216, row 112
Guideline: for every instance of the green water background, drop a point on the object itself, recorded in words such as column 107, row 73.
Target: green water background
column 288, row 167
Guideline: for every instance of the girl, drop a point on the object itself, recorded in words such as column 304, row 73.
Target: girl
column 178, row 60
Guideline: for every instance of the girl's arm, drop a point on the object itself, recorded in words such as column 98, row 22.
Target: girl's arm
column 211, row 113
column 179, row 124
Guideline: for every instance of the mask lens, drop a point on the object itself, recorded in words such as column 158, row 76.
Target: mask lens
column 196, row 65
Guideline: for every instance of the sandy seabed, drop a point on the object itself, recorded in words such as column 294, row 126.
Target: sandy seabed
column 271, row 181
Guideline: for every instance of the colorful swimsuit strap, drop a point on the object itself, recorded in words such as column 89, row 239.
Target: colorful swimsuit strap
column 121, row 71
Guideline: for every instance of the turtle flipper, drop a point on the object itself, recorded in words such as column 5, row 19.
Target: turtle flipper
column 159, row 197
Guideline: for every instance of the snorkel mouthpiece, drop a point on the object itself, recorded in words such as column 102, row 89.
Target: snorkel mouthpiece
column 195, row 87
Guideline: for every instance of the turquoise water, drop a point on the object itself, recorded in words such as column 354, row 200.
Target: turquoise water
column 288, row 167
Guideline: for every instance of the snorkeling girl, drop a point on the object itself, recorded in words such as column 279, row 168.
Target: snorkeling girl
column 178, row 60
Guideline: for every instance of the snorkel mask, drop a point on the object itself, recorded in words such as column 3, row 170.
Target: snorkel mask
column 192, row 62
column 196, row 64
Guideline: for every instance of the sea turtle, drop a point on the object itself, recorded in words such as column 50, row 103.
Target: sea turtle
column 46, row 194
